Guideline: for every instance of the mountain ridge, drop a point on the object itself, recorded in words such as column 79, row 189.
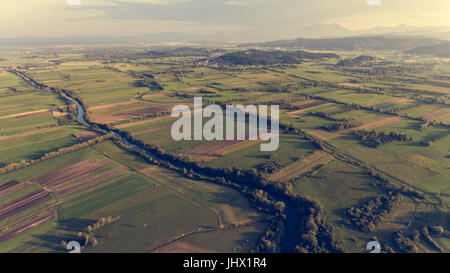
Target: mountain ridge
column 441, row 50
column 358, row 43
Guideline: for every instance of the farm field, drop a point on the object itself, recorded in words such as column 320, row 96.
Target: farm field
column 10, row 83
column 31, row 145
column 363, row 152
column 144, row 197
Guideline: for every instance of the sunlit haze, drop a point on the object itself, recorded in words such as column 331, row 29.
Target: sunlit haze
column 259, row 19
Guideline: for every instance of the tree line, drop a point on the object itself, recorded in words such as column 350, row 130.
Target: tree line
column 88, row 235
column 341, row 125
column 374, row 139
column 61, row 151
column 265, row 195
column 370, row 215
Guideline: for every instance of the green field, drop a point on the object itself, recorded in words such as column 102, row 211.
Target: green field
column 147, row 201
column 223, row 196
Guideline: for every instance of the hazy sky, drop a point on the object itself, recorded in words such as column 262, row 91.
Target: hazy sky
column 131, row 17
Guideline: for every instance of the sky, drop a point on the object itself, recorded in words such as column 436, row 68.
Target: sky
column 280, row 18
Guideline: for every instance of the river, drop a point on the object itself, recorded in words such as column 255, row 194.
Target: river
column 292, row 224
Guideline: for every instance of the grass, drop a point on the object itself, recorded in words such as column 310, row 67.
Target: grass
column 48, row 166
column 156, row 205
column 348, row 96
column 149, row 214
column 290, row 149
column 422, row 110
column 239, row 240
column 34, row 146
column 9, row 80
column 338, row 186
column 91, row 81
column 28, row 102
column 395, row 160
column 13, row 126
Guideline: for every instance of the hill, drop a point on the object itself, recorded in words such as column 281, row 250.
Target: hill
column 260, row 57
column 378, row 43
column 442, row 50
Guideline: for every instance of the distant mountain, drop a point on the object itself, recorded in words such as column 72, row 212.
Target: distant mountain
column 441, row 50
column 180, row 52
column 98, row 40
column 438, row 32
column 259, row 57
column 322, row 31
column 318, row 31
column 336, row 30
column 363, row 43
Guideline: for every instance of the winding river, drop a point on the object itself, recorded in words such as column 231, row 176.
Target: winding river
column 292, row 224
column 82, row 120
column 80, row 109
